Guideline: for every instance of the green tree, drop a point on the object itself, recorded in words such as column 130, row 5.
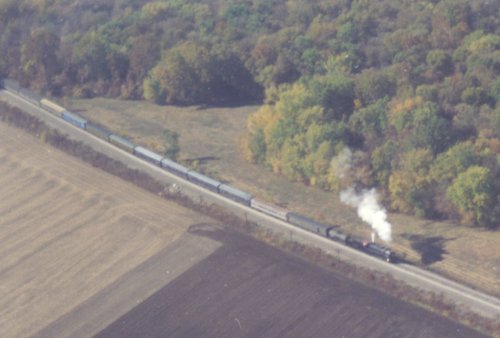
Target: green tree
column 382, row 159
column 258, row 147
column 152, row 90
column 89, row 57
column 419, row 124
column 39, row 58
column 171, row 144
column 473, row 194
column 495, row 91
column 371, row 122
column 475, row 96
column 372, row 85
column 448, row 165
column 429, row 130
column 439, row 62
column 333, row 92
column 450, row 22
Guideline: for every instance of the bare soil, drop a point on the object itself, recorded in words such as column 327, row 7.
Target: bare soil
column 212, row 136
column 247, row 289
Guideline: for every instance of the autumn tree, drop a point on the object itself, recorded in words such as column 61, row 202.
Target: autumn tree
column 419, row 124
column 409, row 186
column 143, row 55
column 194, row 74
column 302, row 127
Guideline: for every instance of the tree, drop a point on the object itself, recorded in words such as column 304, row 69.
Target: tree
column 190, row 74
column 334, row 93
column 298, row 135
column 171, row 144
column 39, row 57
column 371, row 122
column 144, row 54
column 372, row 85
column 316, row 165
column 450, row 22
column 89, row 57
column 473, row 194
column 257, row 147
column 429, row 130
column 419, row 125
column 409, row 186
column 439, row 62
column 382, row 161
column 448, row 165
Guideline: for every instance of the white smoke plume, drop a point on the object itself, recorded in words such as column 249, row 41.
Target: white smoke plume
column 369, row 210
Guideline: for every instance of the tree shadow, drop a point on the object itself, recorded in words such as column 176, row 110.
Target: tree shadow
column 431, row 249
column 202, row 159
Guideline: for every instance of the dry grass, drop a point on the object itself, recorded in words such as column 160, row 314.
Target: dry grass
column 469, row 255
column 68, row 230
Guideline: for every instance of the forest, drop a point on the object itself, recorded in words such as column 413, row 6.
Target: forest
column 408, row 91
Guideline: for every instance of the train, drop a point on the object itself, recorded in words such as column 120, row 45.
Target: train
column 301, row 221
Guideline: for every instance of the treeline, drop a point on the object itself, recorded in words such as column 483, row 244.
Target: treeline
column 412, row 88
column 419, row 119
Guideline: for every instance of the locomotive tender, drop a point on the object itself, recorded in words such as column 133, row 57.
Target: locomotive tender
column 199, row 179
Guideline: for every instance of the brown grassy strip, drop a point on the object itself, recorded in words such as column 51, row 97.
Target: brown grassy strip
column 381, row 281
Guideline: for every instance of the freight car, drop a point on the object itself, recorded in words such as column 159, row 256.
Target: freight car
column 203, row 180
column 98, row 131
column 30, row 95
column 337, row 236
column 122, row 143
column 269, row 209
column 148, row 155
column 235, row 194
column 174, row 168
column 74, row 119
column 52, row 106
column 308, row 224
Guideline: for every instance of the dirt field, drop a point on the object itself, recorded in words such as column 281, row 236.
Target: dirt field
column 247, row 289
column 467, row 255
column 68, row 231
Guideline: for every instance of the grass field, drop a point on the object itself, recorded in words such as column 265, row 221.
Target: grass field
column 213, row 135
